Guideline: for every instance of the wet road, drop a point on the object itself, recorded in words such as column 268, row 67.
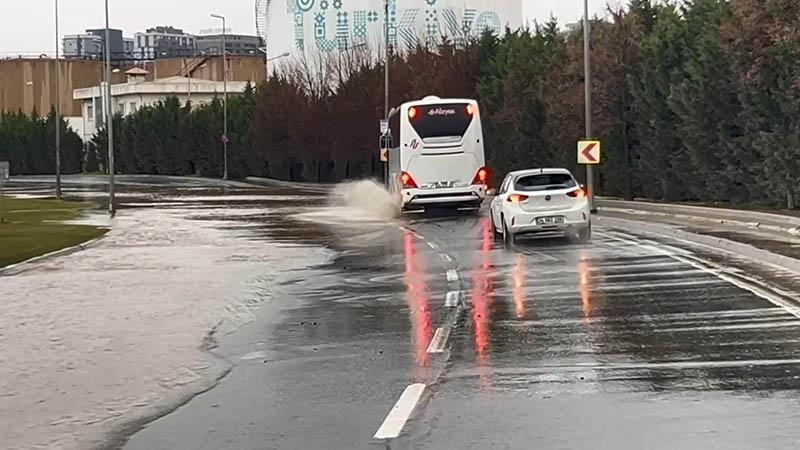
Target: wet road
column 626, row 342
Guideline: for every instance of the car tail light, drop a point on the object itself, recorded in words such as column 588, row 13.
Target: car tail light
column 412, row 112
column 407, row 181
column 577, row 193
column 482, row 177
column 517, row 198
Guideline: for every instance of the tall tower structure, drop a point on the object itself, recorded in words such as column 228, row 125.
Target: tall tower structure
column 262, row 29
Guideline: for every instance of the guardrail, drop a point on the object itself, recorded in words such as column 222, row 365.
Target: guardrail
column 750, row 219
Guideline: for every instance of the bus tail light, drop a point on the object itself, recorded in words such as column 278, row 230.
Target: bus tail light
column 470, row 110
column 517, row 198
column 482, row 177
column 407, row 181
column 412, row 112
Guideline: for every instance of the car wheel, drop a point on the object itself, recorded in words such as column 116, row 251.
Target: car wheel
column 584, row 234
column 496, row 234
column 508, row 237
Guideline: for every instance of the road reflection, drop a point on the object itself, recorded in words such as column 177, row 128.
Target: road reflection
column 481, row 302
column 418, row 302
column 584, row 286
column 518, row 280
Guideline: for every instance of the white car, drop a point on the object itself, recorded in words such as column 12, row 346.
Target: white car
column 541, row 201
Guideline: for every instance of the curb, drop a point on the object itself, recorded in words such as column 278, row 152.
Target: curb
column 269, row 182
column 703, row 211
column 740, row 249
column 793, row 231
column 22, row 266
column 788, row 225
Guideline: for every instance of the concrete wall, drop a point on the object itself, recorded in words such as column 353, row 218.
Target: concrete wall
column 16, row 94
column 240, row 68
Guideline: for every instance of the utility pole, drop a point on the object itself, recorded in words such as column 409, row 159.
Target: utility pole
column 58, row 111
column 587, row 68
column 186, row 68
column 112, row 208
column 224, row 99
column 386, row 80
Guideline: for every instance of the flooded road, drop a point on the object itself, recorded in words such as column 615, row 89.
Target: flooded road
column 95, row 343
column 627, row 342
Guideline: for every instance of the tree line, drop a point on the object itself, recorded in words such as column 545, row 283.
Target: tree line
column 694, row 100
column 27, row 142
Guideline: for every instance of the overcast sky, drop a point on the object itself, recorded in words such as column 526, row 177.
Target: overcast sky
column 26, row 26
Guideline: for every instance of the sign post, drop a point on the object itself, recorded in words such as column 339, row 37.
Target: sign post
column 385, row 145
column 5, row 173
column 589, row 156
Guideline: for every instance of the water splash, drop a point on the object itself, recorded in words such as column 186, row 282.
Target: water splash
column 356, row 202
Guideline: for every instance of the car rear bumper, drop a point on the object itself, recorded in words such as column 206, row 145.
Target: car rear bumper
column 472, row 195
column 526, row 222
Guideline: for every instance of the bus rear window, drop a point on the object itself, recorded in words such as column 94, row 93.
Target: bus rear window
column 439, row 121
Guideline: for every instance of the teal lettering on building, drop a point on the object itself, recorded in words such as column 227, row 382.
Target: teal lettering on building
column 408, row 27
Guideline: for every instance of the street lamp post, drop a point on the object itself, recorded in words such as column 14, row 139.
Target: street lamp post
column 224, row 98
column 587, row 69
column 112, row 208
column 282, row 55
column 386, row 80
column 58, row 111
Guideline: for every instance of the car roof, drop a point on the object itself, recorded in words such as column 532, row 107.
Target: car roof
column 520, row 173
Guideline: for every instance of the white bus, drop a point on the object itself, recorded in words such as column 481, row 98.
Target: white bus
column 436, row 156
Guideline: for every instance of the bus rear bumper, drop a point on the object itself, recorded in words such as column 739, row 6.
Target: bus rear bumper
column 420, row 198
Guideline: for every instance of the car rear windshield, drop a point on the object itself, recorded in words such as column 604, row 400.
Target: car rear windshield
column 438, row 121
column 545, row 182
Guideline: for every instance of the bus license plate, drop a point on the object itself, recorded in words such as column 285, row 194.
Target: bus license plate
column 441, row 185
column 550, row 220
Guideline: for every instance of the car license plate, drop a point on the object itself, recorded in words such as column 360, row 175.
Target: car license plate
column 550, row 220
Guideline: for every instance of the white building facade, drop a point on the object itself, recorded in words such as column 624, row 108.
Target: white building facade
column 323, row 26
column 128, row 98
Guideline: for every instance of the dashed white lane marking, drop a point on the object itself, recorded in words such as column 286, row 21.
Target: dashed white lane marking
column 439, row 340
column 393, row 424
column 452, row 275
column 748, row 284
column 452, row 300
column 433, row 246
column 445, row 257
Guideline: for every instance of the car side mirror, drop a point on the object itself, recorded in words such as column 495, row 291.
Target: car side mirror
column 491, row 192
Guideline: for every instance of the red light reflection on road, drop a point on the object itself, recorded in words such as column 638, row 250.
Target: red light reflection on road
column 583, row 275
column 518, row 279
column 481, row 300
column 417, row 300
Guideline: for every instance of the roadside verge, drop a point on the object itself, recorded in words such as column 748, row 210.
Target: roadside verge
column 762, row 244
column 754, row 220
column 35, row 229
